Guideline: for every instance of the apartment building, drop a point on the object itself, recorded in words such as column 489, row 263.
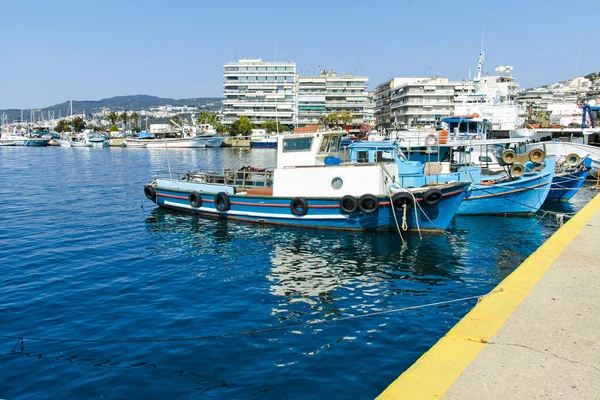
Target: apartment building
column 261, row 91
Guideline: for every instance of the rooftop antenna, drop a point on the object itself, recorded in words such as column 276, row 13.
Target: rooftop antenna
column 480, row 62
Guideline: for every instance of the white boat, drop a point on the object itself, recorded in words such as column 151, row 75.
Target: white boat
column 136, row 145
column 81, row 143
column 7, row 143
column 200, row 141
column 561, row 149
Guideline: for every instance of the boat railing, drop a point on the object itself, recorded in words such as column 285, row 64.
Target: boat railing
column 243, row 178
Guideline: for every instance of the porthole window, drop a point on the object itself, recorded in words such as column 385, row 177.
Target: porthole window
column 337, row 183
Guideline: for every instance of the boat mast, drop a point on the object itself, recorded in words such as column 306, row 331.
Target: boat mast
column 480, row 61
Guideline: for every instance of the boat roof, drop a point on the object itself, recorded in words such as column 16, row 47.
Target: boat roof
column 464, row 118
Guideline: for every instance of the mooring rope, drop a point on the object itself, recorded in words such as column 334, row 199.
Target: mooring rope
column 21, row 338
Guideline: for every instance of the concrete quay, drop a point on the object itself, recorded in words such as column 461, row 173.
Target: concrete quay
column 536, row 336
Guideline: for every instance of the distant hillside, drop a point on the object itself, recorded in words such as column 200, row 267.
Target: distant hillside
column 119, row 103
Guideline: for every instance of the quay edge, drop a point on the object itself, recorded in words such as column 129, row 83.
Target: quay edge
column 467, row 363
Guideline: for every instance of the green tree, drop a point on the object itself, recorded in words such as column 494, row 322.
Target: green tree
column 78, row 124
column 269, row 126
column 135, row 118
column 62, row 126
column 113, row 128
column 124, row 117
column 112, row 117
column 244, row 125
column 337, row 119
column 206, row 117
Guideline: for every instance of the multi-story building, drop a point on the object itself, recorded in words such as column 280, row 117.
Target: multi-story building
column 330, row 92
column 421, row 102
column 261, row 91
column 383, row 100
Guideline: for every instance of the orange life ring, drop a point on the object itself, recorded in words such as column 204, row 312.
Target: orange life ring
column 443, row 137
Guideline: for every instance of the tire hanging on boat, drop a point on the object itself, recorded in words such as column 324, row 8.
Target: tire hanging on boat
column 195, row 199
column 402, row 198
column 432, row 196
column 299, row 206
column 150, row 192
column 348, row 204
column 368, row 203
column 222, row 202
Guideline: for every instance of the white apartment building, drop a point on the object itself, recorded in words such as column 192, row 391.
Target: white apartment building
column 422, row 102
column 262, row 91
column 329, row 92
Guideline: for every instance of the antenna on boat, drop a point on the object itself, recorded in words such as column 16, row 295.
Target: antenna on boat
column 480, row 62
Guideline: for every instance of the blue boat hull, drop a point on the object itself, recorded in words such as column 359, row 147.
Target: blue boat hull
column 264, row 145
column 322, row 212
column 524, row 195
column 564, row 186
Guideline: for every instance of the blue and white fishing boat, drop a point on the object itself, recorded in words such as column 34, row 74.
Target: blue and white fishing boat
column 313, row 187
column 521, row 187
column 570, row 175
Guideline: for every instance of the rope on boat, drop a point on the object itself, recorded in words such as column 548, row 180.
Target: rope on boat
column 21, row 339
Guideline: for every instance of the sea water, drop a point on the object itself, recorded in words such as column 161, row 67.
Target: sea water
column 133, row 301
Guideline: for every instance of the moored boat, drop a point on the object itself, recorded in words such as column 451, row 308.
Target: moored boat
column 569, row 177
column 200, row 141
column 312, row 187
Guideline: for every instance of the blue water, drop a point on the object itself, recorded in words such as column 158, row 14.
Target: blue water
column 84, row 256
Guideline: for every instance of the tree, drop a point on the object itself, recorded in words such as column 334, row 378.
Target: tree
column 112, row 117
column 269, row 126
column 113, row 128
column 337, row 119
column 242, row 126
column 206, row 117
column 124, row 118
column 78, row 124
column 62, row 126
column 135, row 118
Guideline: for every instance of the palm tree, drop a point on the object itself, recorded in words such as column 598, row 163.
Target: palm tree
column 206, row 117
column 124, row 117
column 112, row 117
column 135, row 117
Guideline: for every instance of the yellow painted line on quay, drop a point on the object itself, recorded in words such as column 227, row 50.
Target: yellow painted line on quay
column 433, row 374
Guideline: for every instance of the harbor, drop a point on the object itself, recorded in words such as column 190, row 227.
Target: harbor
column 266, row 200
column 165, row 285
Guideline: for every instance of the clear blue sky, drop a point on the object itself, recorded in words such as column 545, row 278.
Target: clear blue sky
column 57, row 50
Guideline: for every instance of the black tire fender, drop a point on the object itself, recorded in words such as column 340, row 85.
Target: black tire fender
column 402, row 198
column 195, row 199
column 432, row 196
column 368, row 203
column 299, row 206
column 348, row 204
column 150, row 192
column 222, row 202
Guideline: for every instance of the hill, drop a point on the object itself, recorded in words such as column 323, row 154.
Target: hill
column 118, row 104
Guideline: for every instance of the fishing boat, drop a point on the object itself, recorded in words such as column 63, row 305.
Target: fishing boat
column 312, row 187
column 569, row 177
column 260, row 139
column 519, row 184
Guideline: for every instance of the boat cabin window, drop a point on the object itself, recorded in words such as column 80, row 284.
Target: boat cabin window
column 330, row 144
column 486, row 159
column 384, row 156
column 362, row 156
column 297, row 144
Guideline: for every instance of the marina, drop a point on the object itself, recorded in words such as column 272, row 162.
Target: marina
column 174, row 275
column 299, row 201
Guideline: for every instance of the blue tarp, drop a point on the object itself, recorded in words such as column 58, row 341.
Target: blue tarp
column 145, row 135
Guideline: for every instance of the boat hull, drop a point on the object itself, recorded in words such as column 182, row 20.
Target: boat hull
column 196, row 142
column 566, row 184
column 264, row 145
column 322, row 212
column 523, row 196
column 28, row 142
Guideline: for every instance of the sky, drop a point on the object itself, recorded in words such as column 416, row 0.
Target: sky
column 53, row 51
